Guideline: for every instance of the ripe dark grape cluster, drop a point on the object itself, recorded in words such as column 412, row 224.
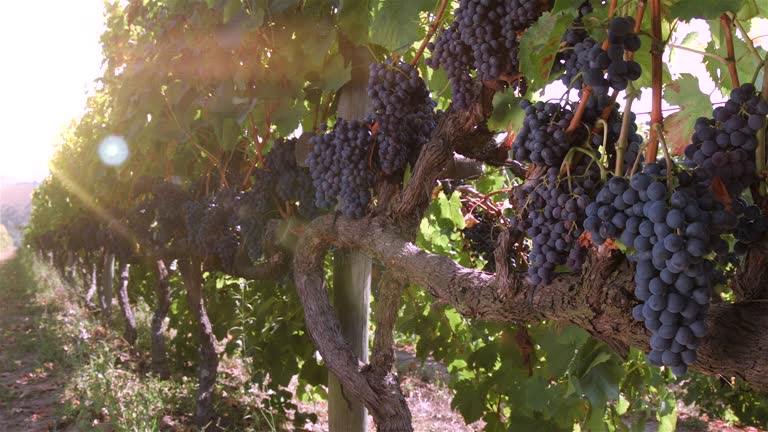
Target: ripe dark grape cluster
column 672, row 235
column 292, row 183
column 253, row 209
column 488, row 27
column 724, row 145
column 453, row 55
column 572, row 57
column 752, row 225
column 542, row 139
column 551, row 211
column 607, row 68
column 339, row 167
column 481, row 239
column 483, row 38
column 168, row 199
column 403, row 110
column 518, row 15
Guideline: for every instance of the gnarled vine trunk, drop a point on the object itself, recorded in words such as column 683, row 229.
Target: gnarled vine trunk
column 125, row 306
column 93, row 285
column 163, row 294
column 107, row 279
column 209, row 361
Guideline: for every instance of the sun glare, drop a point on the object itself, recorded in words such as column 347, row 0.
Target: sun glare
column 51, row 56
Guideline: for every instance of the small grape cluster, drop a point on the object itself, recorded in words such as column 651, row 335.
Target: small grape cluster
column 520, row 14
column 453, row 55
column 339, row 167
column 724, row 146
column 752, row 225
column 212, row 226
column 550, row 212
column 481, row 239
column 292, row 183
column 489, row 28
column 671, row 235
column 543, row 139
column 253, row 209
column 403, row 111
column 168, row 199
column 483, row 38
column 610, row 62
column 572, row 57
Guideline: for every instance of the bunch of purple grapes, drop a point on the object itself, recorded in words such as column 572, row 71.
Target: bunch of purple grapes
column 403, row 110
column 452, row 54
column 607, row 68
column 752, row 225
column 724, row 145
column 481, row 239
column 551, row 212
column 572, row 57
column 671, row 235
column 339, row 167
column 291, row 182
column 483, row 38
column 489, row 28
column 543, row 139
column 253, row 209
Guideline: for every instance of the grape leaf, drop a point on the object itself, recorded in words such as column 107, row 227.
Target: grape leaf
column 693, row 104
column 354, row 19
column 396, row 23
column 687, row 10
column 539, row 45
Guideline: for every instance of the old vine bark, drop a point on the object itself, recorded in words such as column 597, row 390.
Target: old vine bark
column 209, row 360
column 125, row 306
column 163, row 294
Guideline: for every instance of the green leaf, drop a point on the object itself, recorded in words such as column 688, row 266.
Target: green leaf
column 749, row 10
column 745, row 61
column 469, row 400
column 355, row 19
column 287, row 117
column 693, row 104
column 450, row 209
column 667, row 413
column 507, row 114
column 686, row 10
column 335, row 73
column 396, row 23
column 539, row 45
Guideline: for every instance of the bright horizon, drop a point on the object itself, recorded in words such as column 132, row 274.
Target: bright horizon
column 51, row 57
column 49, row 74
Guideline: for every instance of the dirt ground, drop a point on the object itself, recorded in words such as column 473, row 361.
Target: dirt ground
column 30, row 389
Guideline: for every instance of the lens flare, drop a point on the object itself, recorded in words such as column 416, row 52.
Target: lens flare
column 113, row 150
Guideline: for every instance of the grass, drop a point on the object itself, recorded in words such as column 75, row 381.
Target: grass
column 106, row 387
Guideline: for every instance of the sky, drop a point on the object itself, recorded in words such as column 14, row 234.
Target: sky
column 50, row 57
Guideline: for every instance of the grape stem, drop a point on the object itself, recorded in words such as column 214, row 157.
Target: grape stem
column 430, row 32
column 637, row 159
column 667, row 157
column 760, row 160
column 622, row 143
column 588, row 152
column 657, row 50
column 717, row 57
column 579, row 114
column 725, row 21
column 745, row 37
